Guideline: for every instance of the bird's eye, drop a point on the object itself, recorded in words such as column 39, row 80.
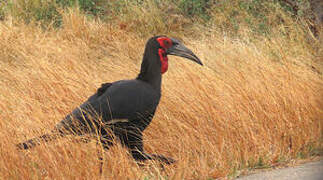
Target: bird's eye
column 167, row 43
column 164, row 42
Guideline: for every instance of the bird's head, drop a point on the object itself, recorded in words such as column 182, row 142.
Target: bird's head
column 172, row 46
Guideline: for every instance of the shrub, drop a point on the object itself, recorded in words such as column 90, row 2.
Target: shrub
column 2, row 10
column 49, row 12
column 44, row 12
column 196, row 8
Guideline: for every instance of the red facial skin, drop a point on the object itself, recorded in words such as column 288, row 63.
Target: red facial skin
column 165, row 43
column 163, row 59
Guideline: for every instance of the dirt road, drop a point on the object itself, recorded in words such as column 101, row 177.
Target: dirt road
column 308, row 171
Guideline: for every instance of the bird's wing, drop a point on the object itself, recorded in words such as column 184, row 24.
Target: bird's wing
column 115, row 102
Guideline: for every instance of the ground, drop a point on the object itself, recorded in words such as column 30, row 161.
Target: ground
column 309, row 171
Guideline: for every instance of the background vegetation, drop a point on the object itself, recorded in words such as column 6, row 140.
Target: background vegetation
column 256, row 103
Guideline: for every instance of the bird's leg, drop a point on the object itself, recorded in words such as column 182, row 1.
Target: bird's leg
column 132, row 139
column 162, row 158
column 137, row 152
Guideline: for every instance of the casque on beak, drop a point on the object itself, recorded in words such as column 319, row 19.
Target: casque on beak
column 178, row 49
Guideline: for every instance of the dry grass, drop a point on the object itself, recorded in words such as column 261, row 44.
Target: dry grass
column 252, row 104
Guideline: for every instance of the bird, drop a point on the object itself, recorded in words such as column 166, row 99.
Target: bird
column 123, row 109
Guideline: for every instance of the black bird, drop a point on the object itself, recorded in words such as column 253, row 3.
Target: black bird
column 123, row 109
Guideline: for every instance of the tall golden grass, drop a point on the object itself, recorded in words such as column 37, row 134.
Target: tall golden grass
column 253, row 104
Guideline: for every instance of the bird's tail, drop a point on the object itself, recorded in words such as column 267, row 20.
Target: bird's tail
column 37, row 141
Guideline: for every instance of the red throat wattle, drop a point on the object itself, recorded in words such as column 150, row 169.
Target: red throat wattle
column 163, row 59
column 165, row 43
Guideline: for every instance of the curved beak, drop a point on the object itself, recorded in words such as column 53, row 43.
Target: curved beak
column 178, row 49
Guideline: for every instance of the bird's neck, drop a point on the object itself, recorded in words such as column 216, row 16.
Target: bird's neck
column 150, row 71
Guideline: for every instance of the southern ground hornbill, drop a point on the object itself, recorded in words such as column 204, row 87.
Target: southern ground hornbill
column 123, row 109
